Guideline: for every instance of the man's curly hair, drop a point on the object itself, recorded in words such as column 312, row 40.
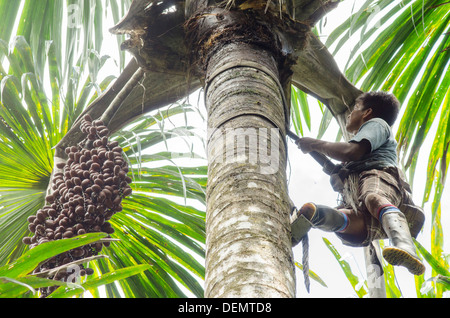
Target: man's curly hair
column 384, row 105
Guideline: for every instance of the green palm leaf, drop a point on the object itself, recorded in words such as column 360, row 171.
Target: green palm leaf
column 30, row 260
column 24, row 282
column 353, row 279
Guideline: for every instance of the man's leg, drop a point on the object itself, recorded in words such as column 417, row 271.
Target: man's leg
column 402, row 252
column 328, row 219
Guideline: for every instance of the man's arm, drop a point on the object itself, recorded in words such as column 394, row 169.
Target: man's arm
column 342, row 151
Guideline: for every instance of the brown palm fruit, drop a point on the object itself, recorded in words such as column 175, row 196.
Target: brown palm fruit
column 87, row 191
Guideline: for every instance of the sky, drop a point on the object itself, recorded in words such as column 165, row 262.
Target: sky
column 308, row 183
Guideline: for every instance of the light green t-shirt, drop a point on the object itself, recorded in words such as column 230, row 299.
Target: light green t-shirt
column 383, row 146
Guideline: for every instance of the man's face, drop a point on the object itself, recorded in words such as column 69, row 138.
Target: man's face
column 357, row 117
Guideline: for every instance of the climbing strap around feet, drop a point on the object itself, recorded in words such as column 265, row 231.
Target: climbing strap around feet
column 302, row 224
column 305, row 261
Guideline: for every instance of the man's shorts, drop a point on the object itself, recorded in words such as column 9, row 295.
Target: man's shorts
column 387, row 183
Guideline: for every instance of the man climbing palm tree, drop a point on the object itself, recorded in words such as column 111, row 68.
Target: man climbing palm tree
column 382, row 193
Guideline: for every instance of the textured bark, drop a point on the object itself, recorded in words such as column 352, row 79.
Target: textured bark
column 248, row 246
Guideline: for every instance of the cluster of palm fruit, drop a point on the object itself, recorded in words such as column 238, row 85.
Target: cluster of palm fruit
column 87, row 191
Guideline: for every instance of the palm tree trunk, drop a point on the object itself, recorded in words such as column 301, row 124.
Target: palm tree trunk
column 247, row 230
column 248, row 245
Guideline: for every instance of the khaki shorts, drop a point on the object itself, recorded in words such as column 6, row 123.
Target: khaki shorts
column 389, row 184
